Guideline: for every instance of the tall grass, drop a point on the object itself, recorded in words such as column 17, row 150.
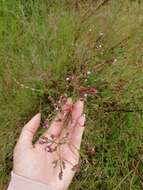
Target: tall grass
column 40, row 43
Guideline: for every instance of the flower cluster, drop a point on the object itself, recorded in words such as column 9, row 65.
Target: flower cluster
column 79, row 84
column 53, row 144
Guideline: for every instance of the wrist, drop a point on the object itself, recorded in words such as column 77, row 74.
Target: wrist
column 18, row 182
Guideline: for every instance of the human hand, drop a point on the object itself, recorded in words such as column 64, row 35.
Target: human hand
column 34, row 162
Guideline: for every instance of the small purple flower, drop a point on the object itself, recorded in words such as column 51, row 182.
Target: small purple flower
column 45, row 126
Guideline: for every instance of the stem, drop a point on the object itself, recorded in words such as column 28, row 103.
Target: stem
column 68, row 161
column 123, row 180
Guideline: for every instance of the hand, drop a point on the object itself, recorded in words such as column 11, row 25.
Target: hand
column 34, row 162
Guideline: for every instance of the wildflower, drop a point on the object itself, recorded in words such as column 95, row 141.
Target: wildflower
column 92, row 90
column 50, row 98
column 59, row 102
column 115, row 60
column 90, row 149
column 101, row 34
column 45, row 126
column 88, row 91
column 56, row 108
column 88, row 72
column 70, row 77
column 44, row 140
column 48, row 148
column 67, row 78
column 63, row 99
column 85, row 95
column 111, row 61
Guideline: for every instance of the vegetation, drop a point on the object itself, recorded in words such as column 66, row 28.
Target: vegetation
column 44, row 42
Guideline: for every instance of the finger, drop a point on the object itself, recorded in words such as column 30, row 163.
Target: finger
column 75, row 115
column 57, row 124
column 77, row 111
column 28, row 131
column 77, row 132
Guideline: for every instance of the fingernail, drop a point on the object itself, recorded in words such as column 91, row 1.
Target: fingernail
column 38, row 115
column 80, row 103
column 69, row 100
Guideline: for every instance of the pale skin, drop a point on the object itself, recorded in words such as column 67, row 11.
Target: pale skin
column 32, row 161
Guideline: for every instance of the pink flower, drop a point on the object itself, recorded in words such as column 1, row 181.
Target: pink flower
column 70, row 77
column 45, row 126
column 85, row 91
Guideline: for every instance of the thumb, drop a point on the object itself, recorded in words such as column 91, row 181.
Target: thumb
column 28, row 131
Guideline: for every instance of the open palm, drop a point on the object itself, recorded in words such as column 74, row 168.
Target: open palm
column 39, row 162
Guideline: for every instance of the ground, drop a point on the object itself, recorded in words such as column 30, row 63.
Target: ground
column 44, row 42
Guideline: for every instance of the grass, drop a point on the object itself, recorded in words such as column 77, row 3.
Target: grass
column 41, row 42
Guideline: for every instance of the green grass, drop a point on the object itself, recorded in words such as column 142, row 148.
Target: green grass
column 41, row 41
